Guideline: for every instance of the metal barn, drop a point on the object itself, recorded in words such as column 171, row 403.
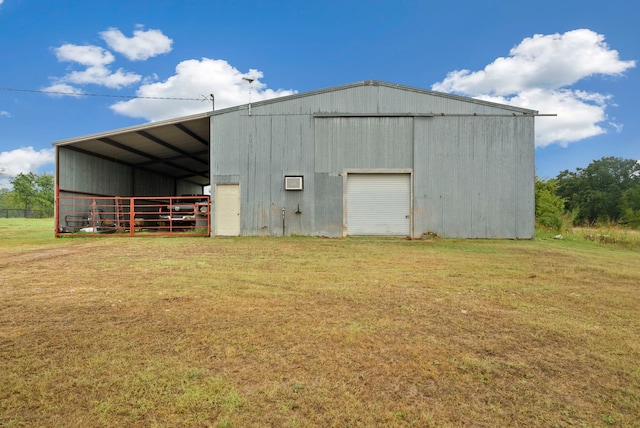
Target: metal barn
column 369, row 158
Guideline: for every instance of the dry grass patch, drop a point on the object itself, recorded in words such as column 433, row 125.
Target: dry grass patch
column 317, row 332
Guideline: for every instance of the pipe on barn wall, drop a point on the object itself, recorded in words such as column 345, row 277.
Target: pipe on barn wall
column 283, row 225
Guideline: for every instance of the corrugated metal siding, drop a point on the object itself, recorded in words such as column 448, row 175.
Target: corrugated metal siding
column 393, row 100
column 376, row 99
column 473, row 176
column 476, row 178
column 327, row 206
column 150, row 184
column 369, row 142
column 525, row 178
column 83, row 173
column 256, row 172
column 227, row 141
column 184, row 187
column 260, row 150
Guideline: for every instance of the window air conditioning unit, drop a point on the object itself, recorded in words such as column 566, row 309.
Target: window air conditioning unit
column 293, row 182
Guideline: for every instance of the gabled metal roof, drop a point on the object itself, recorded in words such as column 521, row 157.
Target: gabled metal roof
column 179, row 147
column 505, row 107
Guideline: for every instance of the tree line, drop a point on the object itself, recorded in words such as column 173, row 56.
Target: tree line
column 606, row 191
column 29, row 192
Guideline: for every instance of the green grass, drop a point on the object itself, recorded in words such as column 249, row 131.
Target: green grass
column 317, row 332
column 20, row 230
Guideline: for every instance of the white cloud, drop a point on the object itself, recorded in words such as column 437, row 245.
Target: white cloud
column 537, row 74
column 62, row 89
column 4, row 113
column 578, row 115
column 23, row 160
column 102, row 76
column 143, row 44
column 89, row 55
column 542, row 61
column 617, row 126
column 95, row 59
column 193, row 79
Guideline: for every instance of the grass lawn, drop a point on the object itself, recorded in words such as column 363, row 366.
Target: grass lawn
column 297, row 332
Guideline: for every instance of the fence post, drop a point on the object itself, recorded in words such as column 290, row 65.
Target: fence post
column 132, row 220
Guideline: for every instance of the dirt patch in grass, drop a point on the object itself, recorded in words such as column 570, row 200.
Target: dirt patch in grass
column 316, row 332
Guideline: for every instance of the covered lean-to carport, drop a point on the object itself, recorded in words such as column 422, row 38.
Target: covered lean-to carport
column 148, row 178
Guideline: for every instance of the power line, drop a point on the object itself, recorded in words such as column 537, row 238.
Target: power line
column 101, row 95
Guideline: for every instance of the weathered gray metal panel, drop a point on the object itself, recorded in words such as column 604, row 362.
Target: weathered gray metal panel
column 374, row 97
column 264, row 149
column 327, row 207
column 475, row 180
column 185, row 187
column 394, row 100
column 81, row 172
column 147, row 183
column 226, row 141
column 257, row 208
column 368, row 142
column 293, row 155
column 525, row 177
column 473, row 175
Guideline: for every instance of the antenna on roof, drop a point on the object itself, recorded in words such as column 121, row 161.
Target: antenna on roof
column 209, row 98
column 250, row 80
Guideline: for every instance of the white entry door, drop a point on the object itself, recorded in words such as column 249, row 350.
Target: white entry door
column 379, row 204
column 227, row 214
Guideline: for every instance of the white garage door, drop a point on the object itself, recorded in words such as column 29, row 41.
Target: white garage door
column 379, row 204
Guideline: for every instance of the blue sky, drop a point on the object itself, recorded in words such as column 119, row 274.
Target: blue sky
column 574, row 58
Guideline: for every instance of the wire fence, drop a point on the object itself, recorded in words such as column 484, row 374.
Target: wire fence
column 21, row 213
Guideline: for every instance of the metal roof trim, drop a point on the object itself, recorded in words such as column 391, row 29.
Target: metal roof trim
column 329, row 115
column 134, row 128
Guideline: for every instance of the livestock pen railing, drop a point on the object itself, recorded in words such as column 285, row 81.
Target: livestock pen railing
column 132, row 216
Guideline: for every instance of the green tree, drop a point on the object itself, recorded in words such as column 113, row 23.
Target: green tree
column 32, row 191
column 5, row 198
column 630, row 206
column 594, row 193
column 549, row 206
column 46, row 194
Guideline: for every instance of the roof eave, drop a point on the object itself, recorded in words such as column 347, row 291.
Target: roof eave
column 135, row 128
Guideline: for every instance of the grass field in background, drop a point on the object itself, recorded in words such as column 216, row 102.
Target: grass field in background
column 299, row 331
